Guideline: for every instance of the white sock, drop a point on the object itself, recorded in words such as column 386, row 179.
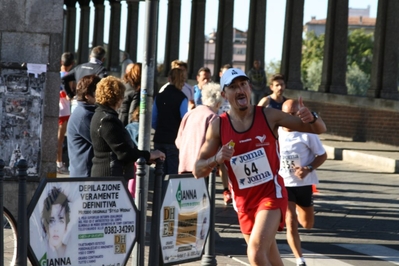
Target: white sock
column 59, row 164
column 300, row 260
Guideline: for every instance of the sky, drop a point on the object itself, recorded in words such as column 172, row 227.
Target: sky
column 275, row 15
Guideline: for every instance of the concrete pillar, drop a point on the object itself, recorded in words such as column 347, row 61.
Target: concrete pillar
column 29, row 34
column 224, row 37
column 113, row 54
column 172, row 41
column 70, row 26
column 98, row 29
column 132, row 29
column 292, row 44
column 83, row 44
column 384, row 72
column 333, row 78
column 256, row 33
column 197, row 38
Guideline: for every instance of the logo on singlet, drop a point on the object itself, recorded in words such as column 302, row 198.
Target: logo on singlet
column 262, row 141
column 261, row 138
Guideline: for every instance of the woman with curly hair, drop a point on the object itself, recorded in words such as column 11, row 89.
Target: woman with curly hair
column 114, row 150
column 132, row 94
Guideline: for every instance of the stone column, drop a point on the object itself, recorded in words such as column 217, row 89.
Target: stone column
column 224, row 37
column 172, row 35
column 256, row 33
column 132, row 29
column 333, row 78
column 197, row 38
column 384, row 72
column 70, row 26
column 83, row 44
column 292, row 44
column 98, row 29
column 113, row 54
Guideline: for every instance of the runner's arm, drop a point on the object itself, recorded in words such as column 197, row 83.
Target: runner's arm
column 206, row 158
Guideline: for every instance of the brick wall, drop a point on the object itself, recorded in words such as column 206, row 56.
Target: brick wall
column 358, row 118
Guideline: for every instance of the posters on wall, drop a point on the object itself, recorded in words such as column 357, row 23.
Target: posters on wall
column 21, row 113
column 89, row 221
column 184, row 223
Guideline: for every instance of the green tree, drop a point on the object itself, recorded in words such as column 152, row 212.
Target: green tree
column 313, row 75
column 312, row 51
column 360, row 50
column 272, row 68
column 357, row 81
column 359, row 60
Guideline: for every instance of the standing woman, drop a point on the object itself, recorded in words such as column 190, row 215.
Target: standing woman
column 114, row 150
column 167, row 112
column 132, row 94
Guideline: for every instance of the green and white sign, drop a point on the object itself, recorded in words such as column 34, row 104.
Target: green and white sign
column 184, row 220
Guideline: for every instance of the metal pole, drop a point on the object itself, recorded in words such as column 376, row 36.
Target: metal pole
column 1, row 207
column 146, row 99
column 148, row 76
column 142, row 213
column 22, row 225
column 209, row 257
column 155, row 221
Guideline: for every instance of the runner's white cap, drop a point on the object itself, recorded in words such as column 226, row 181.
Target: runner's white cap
column 229, row 75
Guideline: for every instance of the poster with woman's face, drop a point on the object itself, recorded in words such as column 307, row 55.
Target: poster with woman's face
column 90, row 222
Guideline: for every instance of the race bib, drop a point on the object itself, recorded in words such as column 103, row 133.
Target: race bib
column 252, row 168
column 289, row 162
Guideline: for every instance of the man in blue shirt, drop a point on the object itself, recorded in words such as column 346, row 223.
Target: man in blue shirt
column 203, row 77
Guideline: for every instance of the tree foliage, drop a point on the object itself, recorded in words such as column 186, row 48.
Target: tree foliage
column 357, row 81
column 360, row 50
column 272, row 68
column 313, row 76
column 359, row 60
column 312, row 51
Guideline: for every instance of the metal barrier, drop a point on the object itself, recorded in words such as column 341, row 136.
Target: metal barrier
column 140, row 244
column 1, row 207
column 22, row 225
column 209, row 257
column 153, row 259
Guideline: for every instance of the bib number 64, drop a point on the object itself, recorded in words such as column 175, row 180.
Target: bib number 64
column 253, row 169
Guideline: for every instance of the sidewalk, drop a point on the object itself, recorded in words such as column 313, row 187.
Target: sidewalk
column 384, row 158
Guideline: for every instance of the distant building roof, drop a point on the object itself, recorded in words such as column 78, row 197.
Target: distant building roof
column 352, row 21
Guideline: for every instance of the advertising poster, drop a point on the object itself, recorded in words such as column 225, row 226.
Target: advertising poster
column 21, row 116
column 87, row 221
column 184, row 220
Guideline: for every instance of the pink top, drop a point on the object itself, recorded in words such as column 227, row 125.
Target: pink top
column 191, row 135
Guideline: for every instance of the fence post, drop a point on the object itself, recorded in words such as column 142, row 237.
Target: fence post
column 1, row 207
column 139, row 248
column 22, row 225
column 209, row 257
column 155, row 220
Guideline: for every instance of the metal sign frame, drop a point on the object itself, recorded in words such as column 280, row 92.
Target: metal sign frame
column 193, row 202
column 109, row 217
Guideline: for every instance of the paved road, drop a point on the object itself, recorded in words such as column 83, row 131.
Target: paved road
column 357, row 221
